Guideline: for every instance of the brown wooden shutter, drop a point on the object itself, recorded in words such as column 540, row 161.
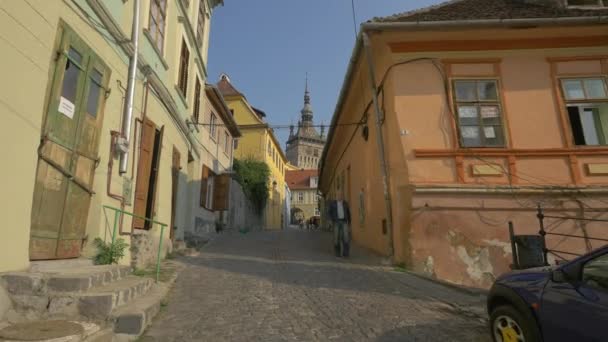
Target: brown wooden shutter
column 221, row 192
column 204, row 177
column 143, row 172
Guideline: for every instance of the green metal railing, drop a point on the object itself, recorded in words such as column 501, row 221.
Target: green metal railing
column 118, row 212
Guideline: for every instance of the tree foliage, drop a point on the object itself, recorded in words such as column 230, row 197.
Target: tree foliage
column 253, row 176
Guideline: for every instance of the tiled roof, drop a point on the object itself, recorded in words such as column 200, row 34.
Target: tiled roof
column 300, row 179
column 492, row 9
column 226, row 88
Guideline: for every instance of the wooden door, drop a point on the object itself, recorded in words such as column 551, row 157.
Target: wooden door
column 221, row 192
column 175, row 170
column 68, row 154
column 144, row 168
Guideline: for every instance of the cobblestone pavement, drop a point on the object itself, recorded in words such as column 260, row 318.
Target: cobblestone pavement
column 286, row 286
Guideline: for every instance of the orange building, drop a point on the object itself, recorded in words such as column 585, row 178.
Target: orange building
column 470, row 114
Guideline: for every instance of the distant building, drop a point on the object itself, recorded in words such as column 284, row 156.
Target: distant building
column 304, row 200
column 304, row 147
column 259, row 143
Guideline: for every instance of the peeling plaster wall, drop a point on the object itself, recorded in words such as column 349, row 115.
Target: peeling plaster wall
column 464, row 239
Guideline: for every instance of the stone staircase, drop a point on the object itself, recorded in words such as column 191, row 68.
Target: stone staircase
column 110, row 296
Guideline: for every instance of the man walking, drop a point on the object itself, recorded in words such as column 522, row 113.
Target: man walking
column 339, row 213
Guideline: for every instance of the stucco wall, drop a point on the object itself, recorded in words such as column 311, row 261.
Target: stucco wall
column 419, row 126
column 29, row 57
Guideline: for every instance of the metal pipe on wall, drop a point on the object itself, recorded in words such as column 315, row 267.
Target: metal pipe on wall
column 380, row 142
column 128, row 108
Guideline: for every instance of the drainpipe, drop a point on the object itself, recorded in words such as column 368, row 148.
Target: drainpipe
column 128, row 109
column 380, row 142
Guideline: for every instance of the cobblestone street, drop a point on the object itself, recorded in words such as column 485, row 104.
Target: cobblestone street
column 288, row 287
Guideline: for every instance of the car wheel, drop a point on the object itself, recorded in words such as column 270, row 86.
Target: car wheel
column 509, row 325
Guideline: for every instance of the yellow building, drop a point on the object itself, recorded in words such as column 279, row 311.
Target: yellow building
column 259, row 142
column 72, row 152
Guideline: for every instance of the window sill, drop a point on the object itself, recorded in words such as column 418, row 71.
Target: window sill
column 181, row 96
column 158, row 52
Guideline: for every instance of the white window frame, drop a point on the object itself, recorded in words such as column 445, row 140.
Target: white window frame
column 300, row 197
column 585, row 102
column 212, row 126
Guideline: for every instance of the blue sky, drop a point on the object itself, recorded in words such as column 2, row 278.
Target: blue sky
column 267, row 46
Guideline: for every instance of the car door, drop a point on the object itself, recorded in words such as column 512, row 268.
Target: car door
column 577, row 309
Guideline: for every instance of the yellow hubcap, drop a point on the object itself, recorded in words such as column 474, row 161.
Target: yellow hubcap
column 509, row 335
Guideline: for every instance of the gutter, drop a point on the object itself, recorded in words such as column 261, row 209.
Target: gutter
column 127, row 116
column 438, row 25
column 127, row 47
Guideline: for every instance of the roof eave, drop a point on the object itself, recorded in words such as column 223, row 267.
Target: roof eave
column 435, row 25
column 225, row 111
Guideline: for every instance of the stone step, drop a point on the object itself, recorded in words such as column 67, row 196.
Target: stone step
column 133, row 319
column 51, row 331
column 95, row 304
column 106, row 335
column 101, row 301
column 58, row 265
column 74, row 279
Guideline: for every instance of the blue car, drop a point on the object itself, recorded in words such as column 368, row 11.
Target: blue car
column 568, row 302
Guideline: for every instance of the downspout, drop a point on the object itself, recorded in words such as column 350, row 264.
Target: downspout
column 128, row 108
column 381, row 149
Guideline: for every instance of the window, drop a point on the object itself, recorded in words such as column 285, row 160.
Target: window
column 158, row 15
column 317, row 211
column 269, row 149
column 588, row 3
column 226, row 142
column 94, row 91
column 200, row 25
column 76, row 101
column 184, row 59
column 361, row 207
column 209, row 199
column 197, row 100
column 212, row 126
column 479, row 113
column 316, row 153
column 587, row 105
column 300, row 197
column 595, row 272
column 207, row 188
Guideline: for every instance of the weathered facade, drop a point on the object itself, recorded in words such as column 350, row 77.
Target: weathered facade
column 259, row 143
column 64, row 86
column 472, row 114
column 304, row 197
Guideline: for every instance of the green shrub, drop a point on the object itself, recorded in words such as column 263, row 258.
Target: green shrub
column 254, row 177
column 107, row 253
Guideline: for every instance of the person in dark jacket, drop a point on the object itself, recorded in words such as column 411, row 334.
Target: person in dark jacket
column 339, row 214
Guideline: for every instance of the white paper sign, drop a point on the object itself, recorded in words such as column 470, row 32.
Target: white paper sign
column 489, row 132
column 489, row 112
column 470, row 132
column 66, row 107
column 467, row 112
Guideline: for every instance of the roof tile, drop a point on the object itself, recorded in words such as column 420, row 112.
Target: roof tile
column 491, row 9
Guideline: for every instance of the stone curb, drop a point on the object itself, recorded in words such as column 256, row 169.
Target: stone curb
column 464, row 289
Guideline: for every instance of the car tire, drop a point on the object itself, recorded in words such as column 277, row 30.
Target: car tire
column 526, row 323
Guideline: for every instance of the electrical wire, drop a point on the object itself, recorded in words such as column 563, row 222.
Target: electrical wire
column 264, row 126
